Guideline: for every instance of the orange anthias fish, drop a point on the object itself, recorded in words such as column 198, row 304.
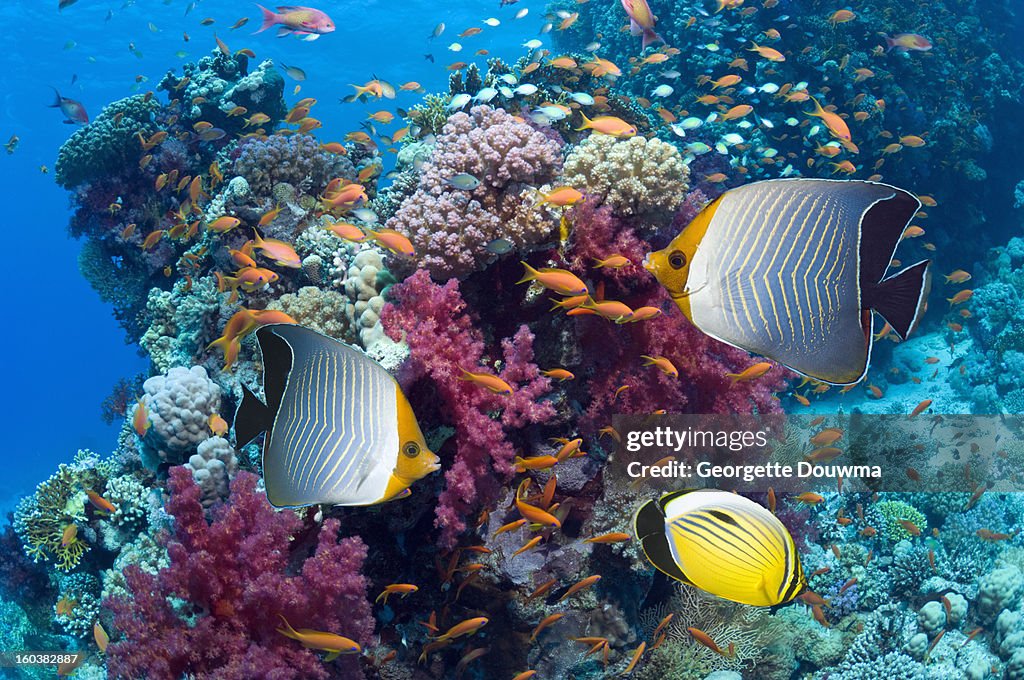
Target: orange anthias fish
column 280, row 252
column 582, row 585
column 662, row 364
column 642, row 21
column 300, row 21
column 99, row 502
column 335, row 645
column 217, row 424
column 140, row 420
column 835, row 124
column 392, row 240
column 562, row 197
column 769, row 53
column 907, row 42
column 608, row 125
column 402, row 589
column 467, row 627
column 750, row 373
column 556, row 280
column 69, row 536
column 100, row 636
column 491, row 382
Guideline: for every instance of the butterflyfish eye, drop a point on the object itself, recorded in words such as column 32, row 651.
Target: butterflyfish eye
column 677, row 259
column 411, row 449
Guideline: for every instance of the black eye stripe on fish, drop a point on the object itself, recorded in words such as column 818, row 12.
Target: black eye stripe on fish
column 722, row 543
column 335, row 423
column 790, row 269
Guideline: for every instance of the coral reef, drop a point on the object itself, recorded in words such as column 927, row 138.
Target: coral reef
column 179, row 405
column 232, row 576
column 433, row 321
column 635, row 177
column 451, row 227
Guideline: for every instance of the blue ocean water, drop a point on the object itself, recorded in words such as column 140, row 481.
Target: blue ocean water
column 66, row 349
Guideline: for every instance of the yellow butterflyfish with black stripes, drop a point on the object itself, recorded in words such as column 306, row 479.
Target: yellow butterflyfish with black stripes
column 722, row 543
column 791, row 269
column 339, row 430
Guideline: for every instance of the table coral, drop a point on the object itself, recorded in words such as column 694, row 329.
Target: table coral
column 450, row 228
column 232, row 576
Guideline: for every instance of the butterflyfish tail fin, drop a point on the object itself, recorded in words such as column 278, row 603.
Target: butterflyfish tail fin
column 251, row 418
column 901, row 299
column 649, row 527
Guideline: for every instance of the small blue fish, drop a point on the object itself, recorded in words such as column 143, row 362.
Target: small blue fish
column 463, row 182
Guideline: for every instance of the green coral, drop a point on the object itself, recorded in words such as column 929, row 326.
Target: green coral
column 886, row 517
column 432, row 113
column 182, row 322
column 107, row 145
column 41, row 518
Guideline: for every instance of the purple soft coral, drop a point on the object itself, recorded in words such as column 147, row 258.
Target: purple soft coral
column 441, row 338
column 234, row 576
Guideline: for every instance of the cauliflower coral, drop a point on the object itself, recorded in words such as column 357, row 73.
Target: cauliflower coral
column 636, row 177
column 451, row 228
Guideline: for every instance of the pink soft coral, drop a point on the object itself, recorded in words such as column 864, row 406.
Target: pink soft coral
column 235, row 576
column 442, row 339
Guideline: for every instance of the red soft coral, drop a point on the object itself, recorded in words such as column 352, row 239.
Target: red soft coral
column 234, row 576
column 442, row 339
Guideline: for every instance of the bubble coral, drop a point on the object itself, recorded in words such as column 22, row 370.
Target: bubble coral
column 636, row 176
column 232, row 577
column 212, row 466
column 450, row 228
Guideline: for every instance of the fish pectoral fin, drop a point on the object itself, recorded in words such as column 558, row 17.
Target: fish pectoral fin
column 332, row 656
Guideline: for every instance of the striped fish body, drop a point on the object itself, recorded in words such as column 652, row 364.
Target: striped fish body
column 790, row 269
column 339, row 430
column 722, row 543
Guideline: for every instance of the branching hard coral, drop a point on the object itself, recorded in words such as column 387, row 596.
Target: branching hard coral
column 888, row 517
column 294, row 159
column 219, row 82
column 321, row 310
column 182, row 322
column 635, row 177
column 232, row 577
column 108, row 145
column 42, row 518
column 749, row 629
column 130, row 497
column 435, row 323
column 78, row 604
column 451, row 228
